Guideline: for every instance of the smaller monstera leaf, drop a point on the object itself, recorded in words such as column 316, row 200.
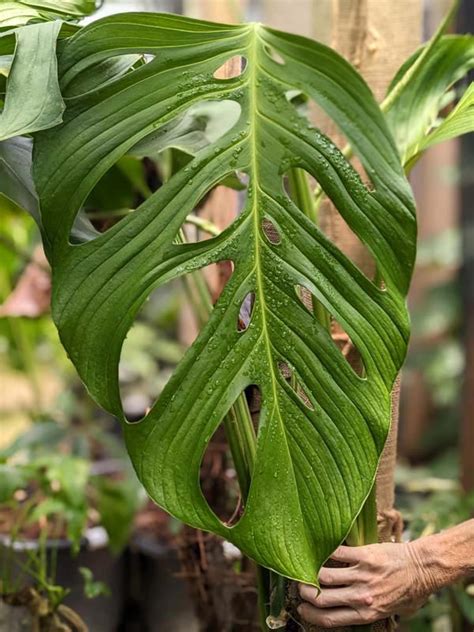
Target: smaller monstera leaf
column 316, row 457
column 414, row 116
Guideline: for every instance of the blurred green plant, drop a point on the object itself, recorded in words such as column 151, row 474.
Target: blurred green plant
column 61, row 495
column 430, row 499
column 92, row 587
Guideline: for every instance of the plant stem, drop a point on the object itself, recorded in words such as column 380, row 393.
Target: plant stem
column 242, row 442
column 300, row 193
column 203, row 224
column 238, row 425
column 263, row 588
column 364, row 531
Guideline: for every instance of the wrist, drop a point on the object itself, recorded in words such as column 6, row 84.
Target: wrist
column 425, row 558
column 443, row 558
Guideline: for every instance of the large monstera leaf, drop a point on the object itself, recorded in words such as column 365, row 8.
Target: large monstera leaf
column 315, row 461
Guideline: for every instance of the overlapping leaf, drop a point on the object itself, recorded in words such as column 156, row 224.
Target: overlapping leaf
column 33, row 100
column 417, row 107
column 315, row 463
column 21, row 12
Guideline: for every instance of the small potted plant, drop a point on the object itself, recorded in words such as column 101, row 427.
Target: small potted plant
column 64, row 521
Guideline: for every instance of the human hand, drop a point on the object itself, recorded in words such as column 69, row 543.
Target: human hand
column 382, row 580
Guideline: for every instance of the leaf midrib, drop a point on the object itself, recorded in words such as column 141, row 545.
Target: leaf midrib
column 253, row 114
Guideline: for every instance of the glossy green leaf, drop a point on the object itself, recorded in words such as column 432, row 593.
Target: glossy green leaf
column 33, row 100
column 458, row 122
column 99, row 74
column 417, row 107
column 20, row 12
column 315, row 461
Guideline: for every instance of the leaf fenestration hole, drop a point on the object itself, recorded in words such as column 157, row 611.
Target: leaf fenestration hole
column 339, row 336
column 231, row 68
column 167, row 324
column 274, row 55
column 156, row 158
column 304, row 191
column 305, row 297
column 218, row 479
column 299, row 186
column 150, row 351
column 217, row 209
column 116, row 195
column 103, row 73
column 210, row 280
column 270, row 231
column 289, row 375
column 347, row 348
column 246, row 311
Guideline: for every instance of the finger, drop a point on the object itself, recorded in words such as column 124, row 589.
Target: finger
column 349, row 554
column 344, row 576
column 351, row 596
column 330, row 618
column 308, row 593
column 334, row 597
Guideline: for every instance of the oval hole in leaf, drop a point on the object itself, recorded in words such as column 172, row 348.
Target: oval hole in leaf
column 300, row 186
column 274, row 55
column 330, row 221
column 291, row 378
column 218, row 479
column 246, row 311
column 254, row 399
column 347, row 348
column 150, row 351
column 102, row 73
column 314, row 116
column 214, row 277
column 217, row 209
column 117, row 194
column 165, row 326
column 339, row 336
column 231, row 68
column 201, row 125
column 270, row 231
column 218, row 476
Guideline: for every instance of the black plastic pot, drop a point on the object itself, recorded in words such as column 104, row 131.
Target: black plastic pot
column 158, row 598
column 101, row 614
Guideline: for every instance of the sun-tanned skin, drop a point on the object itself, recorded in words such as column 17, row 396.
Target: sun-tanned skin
column 386, row 579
